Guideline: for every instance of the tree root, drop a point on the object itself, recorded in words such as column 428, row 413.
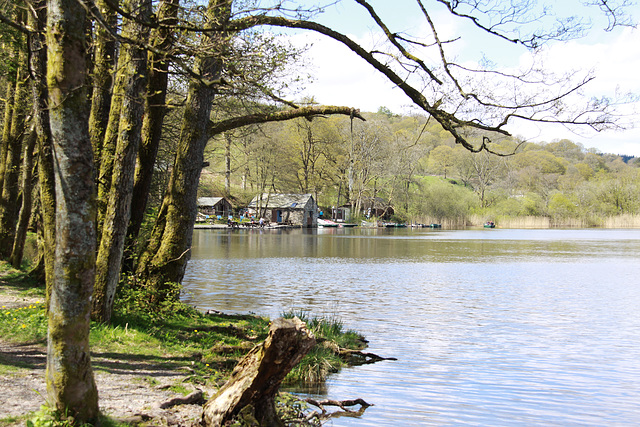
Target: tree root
column 195, row 398
column 342, row 404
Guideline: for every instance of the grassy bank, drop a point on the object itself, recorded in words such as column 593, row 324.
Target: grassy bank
column 204, row 347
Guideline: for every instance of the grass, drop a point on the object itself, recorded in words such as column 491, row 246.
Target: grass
column 180, row 338
column 323, row 359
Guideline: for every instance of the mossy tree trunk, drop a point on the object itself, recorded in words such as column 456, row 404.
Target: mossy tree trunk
column 165, row 258
column 46, row 181
column 104, row 61
column 132, row 63
column 26, row 188
column 70, row 382
column 6, row 125
column 108, row 148
column 155, row 109
column 9, row 206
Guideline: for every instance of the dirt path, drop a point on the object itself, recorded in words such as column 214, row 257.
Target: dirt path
column 128, row 386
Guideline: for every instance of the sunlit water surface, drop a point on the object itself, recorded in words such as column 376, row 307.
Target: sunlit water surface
column 490, row 327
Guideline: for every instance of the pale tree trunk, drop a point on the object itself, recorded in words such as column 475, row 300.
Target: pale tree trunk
column 9, row 207
column 46, row 181
column 133, row 63
column 70, row 382
column 155, row 110
column 255, row 380
column 227, row 161
column 165, row 258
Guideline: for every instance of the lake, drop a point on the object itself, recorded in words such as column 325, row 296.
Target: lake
column 489, row 326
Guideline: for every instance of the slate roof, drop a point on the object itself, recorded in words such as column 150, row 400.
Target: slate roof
column 209, row 201
column 282, row 201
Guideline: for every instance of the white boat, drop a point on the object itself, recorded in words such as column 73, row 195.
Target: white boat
column 326, row 223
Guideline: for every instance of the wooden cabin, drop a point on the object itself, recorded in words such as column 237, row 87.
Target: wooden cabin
column 289, row 209
column 215, row 206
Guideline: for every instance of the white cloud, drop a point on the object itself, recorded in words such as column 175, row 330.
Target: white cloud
column 342, row 78
column 615, row 66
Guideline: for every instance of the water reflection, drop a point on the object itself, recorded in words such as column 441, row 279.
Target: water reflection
column 491, row 327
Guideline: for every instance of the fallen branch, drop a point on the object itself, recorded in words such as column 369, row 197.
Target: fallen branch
column 339, row 403
column 195, row 398
column 342, row 404
column 361, row 358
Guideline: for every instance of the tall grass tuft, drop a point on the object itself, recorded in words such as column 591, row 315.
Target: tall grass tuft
column 323, row 358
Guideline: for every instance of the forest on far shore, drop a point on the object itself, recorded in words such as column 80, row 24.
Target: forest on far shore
column 415, row 165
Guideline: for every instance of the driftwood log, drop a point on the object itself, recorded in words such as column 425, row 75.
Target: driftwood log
column 255, row 380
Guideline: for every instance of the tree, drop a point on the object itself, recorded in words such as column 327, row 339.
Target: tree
column 70, row 383
column 441, row 159
column 133, row 65
column 14, row 131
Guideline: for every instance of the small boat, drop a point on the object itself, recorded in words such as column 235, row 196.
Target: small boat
column 394, row 225
column 346, row 224
column 326, row 223
column 435, row 226
column 489, row 224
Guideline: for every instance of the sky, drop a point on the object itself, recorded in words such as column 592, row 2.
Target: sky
column 342, row 78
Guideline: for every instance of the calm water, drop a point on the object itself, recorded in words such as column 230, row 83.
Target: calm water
column 490, row 327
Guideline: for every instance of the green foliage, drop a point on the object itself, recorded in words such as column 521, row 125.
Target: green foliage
column 47, row 417
column 440, row 199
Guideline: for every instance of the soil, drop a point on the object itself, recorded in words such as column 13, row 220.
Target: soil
column 130, row 389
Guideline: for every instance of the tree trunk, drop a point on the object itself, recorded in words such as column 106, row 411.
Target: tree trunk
column 108, row 148
column 6, row 127
column 155, row 110
column 103, row 69
column 70, row 383
column 257, row 377
column 227, row 163
column 9, row 206
column 26, row 188
column 132, row 63
column 164, row 261
column 46, row 181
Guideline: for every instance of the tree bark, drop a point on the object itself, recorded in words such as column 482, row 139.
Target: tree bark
column 155, row 109
column 46, row 180
column 9, row 207
column 70, row 382
column 108, row 149
column 26, row 188
column 164, row 261
column 103, row 69
column 6, row 126
column 133, row 64
column 227, row 163
column 257, row 377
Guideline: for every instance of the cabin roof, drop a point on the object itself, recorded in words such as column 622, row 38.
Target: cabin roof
column 281, row 201
column 209, row 201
